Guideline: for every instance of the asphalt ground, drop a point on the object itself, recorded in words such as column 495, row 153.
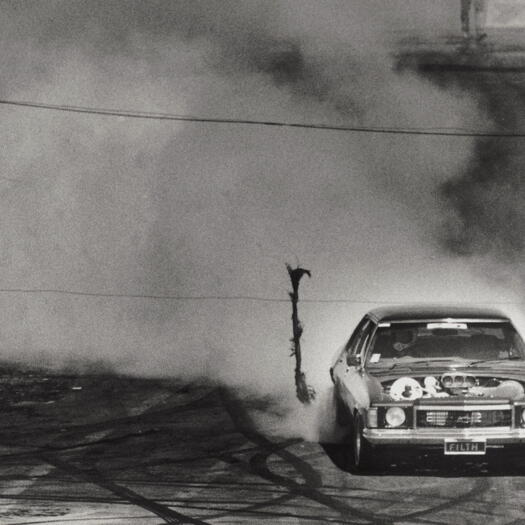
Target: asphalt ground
column 113, row 450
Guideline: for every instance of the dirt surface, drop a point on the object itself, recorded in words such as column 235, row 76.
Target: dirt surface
column 112, row 450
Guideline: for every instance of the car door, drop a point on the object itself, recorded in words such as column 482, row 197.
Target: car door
column 349, row 378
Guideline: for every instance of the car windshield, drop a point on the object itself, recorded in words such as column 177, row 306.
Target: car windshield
column 411, row 343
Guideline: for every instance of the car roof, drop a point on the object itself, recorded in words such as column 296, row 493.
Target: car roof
column 435, row 312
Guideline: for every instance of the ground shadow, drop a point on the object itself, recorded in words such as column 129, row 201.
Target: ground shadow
column 434, row 463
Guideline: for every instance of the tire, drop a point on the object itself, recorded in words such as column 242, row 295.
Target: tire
column 359, row 456
column 342, row 415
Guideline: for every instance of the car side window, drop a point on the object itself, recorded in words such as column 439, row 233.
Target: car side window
column 367, row 334
column 359, row 337
column 355, row 335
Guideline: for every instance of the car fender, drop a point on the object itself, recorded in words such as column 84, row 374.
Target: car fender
column 353, row 389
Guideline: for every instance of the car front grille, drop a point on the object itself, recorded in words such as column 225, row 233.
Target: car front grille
column 463, row 418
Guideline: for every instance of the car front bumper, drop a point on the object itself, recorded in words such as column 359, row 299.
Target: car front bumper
column 495, row 437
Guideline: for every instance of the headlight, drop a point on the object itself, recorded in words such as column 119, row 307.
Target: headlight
column 395, row 416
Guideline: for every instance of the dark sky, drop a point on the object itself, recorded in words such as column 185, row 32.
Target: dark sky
column 148, row 207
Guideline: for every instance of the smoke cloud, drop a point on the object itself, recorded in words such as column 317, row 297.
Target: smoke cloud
column 148, row 207
column 487, row 219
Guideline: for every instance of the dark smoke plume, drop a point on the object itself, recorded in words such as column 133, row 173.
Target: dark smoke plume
column 486, row 200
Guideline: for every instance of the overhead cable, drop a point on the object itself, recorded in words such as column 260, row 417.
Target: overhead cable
column 441, row 132
column 225, row 298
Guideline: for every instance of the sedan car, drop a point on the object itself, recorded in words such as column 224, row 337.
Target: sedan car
column 444, row 378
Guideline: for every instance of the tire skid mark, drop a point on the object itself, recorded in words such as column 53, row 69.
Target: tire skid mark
column 253, row 460
column 95, row 477
column 148, row 417
column 309, row 490
column 191, row 459
column 67, row 499
column 259, row 466
column 231, row 459
column 49, row 453
column 169, row 515
column 480, row 487
column 312, row 478
column 83, row 521
column 81, row 430
column 249, row 509
column 284, row 498
column 244, row 424
column 280, row 514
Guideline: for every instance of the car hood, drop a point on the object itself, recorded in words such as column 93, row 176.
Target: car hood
column 508, row 370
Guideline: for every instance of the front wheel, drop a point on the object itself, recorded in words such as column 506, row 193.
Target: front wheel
column 342, row 415
column 359, row 453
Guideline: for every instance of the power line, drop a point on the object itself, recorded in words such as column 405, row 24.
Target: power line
column 440, row 132
column 58, row 291
column 255, row 298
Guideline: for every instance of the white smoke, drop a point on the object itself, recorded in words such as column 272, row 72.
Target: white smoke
column 145, row 207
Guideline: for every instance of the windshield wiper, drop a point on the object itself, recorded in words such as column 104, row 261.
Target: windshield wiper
column 429, row 362
column 511, row 358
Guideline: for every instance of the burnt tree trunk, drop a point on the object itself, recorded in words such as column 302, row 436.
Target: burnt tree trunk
column 305, row 393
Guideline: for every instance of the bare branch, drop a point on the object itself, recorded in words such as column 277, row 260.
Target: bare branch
column 305, row 393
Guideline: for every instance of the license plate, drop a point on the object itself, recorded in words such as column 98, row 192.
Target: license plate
column 465, row 447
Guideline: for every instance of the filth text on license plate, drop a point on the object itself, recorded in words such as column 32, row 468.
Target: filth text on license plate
column 465, row 447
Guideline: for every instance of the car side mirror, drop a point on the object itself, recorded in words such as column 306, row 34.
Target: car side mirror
column 353, row 360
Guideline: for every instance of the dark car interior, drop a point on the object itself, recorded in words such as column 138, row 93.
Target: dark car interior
column 440, row 344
